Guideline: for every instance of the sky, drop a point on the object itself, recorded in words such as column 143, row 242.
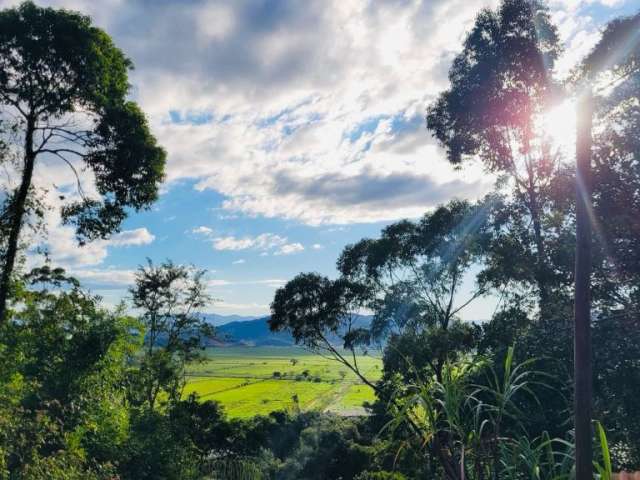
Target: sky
column 293, row 128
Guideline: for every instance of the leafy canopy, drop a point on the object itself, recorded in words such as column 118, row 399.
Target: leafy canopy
column 66, row 84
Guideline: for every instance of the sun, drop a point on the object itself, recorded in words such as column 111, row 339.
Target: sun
column 558, row 125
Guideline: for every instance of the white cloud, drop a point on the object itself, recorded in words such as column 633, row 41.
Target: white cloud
column 106, row 279
column 215, row 22
column 64, row 250
column 265, row 243
column 139, row 236
column 574, row 5
column 279, row 92
column 290, row 248
column 202, row 230
column 317, row 246
column 239, row 261
column 269, row 282
column 307, row 91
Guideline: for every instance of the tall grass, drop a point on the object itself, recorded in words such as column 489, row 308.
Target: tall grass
column 475, row 429
column 233, row 469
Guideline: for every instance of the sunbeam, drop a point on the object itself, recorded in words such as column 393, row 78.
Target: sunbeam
column 558, row 126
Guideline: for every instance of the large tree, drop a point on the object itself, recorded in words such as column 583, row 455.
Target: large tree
column 500, row 85
column 414, row 276
column 613, row 69
column 411, row 278
column 63, row 96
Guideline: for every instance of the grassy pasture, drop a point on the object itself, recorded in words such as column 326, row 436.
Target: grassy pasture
column 252, row 381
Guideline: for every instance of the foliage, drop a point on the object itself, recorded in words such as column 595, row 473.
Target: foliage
column 90, row 392
column 63, row 89
column 169, row 297
column 379, row 476
column 327, row 449
column 410, row 278
column 61, row 382
column 235, row 469
column 500, row 86
column 475, row 430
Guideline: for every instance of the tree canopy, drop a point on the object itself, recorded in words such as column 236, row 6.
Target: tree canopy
column 63, row 96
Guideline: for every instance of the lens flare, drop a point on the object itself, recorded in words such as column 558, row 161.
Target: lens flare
column 558, row 126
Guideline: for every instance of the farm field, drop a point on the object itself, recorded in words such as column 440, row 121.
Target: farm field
column 250, row 381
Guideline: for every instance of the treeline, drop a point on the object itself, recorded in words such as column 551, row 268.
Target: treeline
column 88, row 392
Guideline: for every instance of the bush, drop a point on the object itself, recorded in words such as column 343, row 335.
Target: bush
column 380, row 476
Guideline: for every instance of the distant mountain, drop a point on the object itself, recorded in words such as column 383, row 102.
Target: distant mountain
column 252, row 332
column 216, row 319
column 256, row 333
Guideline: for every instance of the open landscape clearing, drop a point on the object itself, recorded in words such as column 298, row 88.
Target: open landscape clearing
column 250, row 381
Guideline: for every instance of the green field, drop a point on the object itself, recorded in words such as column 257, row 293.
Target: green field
column 252, row 381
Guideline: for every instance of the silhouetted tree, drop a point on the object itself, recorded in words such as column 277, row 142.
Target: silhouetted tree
column 500, row 84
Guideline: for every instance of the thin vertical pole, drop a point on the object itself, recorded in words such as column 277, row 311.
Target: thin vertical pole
column 583, row 377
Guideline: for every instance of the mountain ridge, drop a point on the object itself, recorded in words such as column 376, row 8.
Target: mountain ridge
column 256, row 332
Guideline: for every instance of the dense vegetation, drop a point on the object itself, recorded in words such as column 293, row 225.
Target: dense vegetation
column 88, row 392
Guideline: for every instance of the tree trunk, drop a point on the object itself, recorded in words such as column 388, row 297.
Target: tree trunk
column 18, row 208
column 582, row 336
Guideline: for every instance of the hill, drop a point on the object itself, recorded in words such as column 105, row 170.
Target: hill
column 217, row 319
column 252, row 332
column 256, row 332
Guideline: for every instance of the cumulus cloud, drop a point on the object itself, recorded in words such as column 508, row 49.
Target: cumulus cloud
column 202, row 230
column 290, row 248
column 311, row 111
column 63, row 247
column 246, row 95
column 264, row 243
column 106, row 279
column 139, row 236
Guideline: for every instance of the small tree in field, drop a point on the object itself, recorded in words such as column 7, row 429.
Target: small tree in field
column 63, row 89
column 169, row 297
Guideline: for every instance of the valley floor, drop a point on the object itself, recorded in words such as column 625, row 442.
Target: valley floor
column 250, row 381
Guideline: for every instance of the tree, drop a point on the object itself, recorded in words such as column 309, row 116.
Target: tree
column 613, row 70
column 169, row 297
column 500, row 85
column 410, row 278
column 318, row 311
column 180, row 443
column 413, row 276
column 618, row 53
column 63, row 88
column 61, row 375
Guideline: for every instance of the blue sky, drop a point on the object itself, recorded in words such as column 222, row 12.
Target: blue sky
column 292, row 128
